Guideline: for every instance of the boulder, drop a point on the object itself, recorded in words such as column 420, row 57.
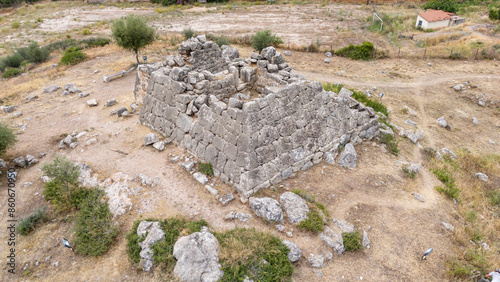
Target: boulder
column 20, row 161
column 50, row 89
column 327, row 61
column 343, row 225
column 295, row 253
column 365, row 241
column 202, row 178
column 458, row 87
column 243, row 217
column 316, row 261
column 3, row 164
column 328, row 54
column 448, row 226
column 92, row 103
column 287, row 53
column 226, row 199
column 31, row 160
column 267, row 208
column 418, row 197
column 446, row 151
column 442, row 122
column 150, row 139
column 160, row 146
column 414, row 136
column 295, row 207
column 475, row 121
column 333, row 240
column 481, row 176
column 348, row 157
column 197, row 257
column 230, row 52
column 111, row 102
column 268, row 53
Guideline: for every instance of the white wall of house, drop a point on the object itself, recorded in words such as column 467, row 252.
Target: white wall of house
column 431, row 25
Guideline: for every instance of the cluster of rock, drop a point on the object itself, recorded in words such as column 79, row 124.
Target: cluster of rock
column 251, row 144
column 153, row 234
column 73, row 140
column 22, row 161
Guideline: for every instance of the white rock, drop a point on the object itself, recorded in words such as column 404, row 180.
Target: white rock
column 481, row 176
column 200, row 177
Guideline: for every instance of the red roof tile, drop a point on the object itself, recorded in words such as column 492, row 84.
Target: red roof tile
column 436, row 15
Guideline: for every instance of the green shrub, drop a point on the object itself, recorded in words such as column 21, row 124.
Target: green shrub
column 86, row 32
column 219, row 39
column 64, row 181
column 188, row 33
column 263, row 39
column 494, row 14
column 243, row 252
column 445, row 5
column 133, row 248
column 352, row 241
column 12, row 72
column 7, row 138
column 26, row 225
column 133, row 34
column 62, row 44
column 72, row 56
column 314, row 221
column 206, row 168
column 15, row 25
column 364, row 51
column 13, row 61
column 333, row 87
column 164, row 2
column 451, row 192
column 94, row 230
column 389, row 141
column 444, row 176
column 34, row 53
column 369, row 102
column 94, row 42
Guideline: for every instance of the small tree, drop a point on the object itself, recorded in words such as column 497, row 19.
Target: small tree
column 64, row 175
column 133, row 34
column 7, row 138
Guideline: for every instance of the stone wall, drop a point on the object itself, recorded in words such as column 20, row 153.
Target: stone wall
column 256, row 121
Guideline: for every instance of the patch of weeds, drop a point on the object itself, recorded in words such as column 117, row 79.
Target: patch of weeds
column 475, row 235
column 314, row 221
column 312, row 199
column 444, row 176
column 188, row 33
column 333, row 87
column 430, row 152
column 408, row 172
column 471, row 216
column 12, row 72
column 450, row 192
column 265, row 38
column 370, row 102
column 133, row 240
column 15, row 25
column 86, row 32
column 359, row 52
column 243, row 252
column 95, row 230
column 219, row 39
column 28, row 224
column 494, row 197
column 206, row 168
column 352, row 241
column 389, row 141
column 73, row 56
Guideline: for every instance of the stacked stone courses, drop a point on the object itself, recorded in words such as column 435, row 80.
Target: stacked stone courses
column 202, row 99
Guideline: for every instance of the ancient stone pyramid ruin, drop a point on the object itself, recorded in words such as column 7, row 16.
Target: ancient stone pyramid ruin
column 255, row 119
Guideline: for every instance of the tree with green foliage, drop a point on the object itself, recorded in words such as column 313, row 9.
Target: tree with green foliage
column 64, row 175
column 133, row 34
column 265, row 38
column 72, row 56
column 494, row 14
column 34, row 53
column 7, row 138
column 445, row 5
column 95, row 231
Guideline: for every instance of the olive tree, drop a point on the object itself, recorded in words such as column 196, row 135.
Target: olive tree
column 133, row 34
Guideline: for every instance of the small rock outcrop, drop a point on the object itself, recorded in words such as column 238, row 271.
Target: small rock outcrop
column 448, row 226
column 154, row 235
column 295, row 253
column 348, row 157
column 295, row 207
column 316, row 261
column 442, row 122
column 197, row 257
column 446, row 151
column 150, row 139
column 365, row 241
column 481, row 176
column 333, row 240
column 343, row 225
column 267, row 208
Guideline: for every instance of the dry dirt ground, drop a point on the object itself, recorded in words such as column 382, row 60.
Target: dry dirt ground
column 375, row 196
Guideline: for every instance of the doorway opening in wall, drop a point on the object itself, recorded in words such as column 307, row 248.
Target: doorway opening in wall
column 419, row 23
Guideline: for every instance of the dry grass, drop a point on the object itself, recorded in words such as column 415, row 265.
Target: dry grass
column 476, row 209
column 241, row 245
